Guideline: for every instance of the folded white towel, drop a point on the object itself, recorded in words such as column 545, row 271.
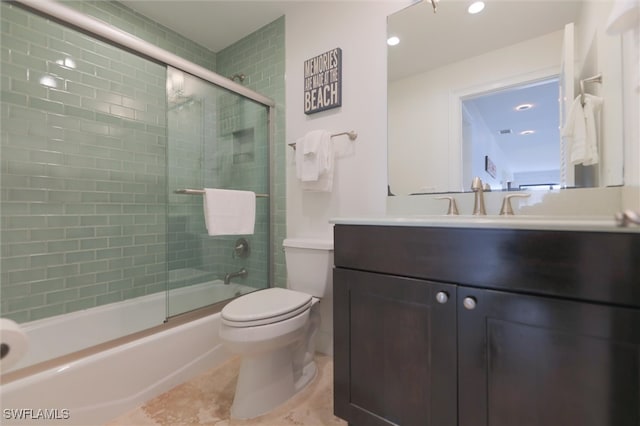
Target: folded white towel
column 228, row 212
column 581, row 131
column 311, row 155
column 314, row 161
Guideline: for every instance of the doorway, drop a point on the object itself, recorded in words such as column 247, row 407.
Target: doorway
column 511, row 136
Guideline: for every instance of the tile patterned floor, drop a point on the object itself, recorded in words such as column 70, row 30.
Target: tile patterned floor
column 206, row 400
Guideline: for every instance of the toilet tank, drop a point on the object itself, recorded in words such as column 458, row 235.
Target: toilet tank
column 309, row 265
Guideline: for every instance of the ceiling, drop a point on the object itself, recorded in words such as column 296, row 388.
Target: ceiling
column 214, row 24
column 430, row 40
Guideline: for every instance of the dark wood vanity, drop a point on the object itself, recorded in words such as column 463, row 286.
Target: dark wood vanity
column 450, row 326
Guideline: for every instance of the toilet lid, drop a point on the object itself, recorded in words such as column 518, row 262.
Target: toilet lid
column 265, row 307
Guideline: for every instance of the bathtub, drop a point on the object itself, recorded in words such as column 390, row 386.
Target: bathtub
column 94, row 389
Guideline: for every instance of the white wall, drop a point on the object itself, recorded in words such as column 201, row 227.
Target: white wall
column 360, row 180
column 420, row 104
column 480, row 141
column 631, row 100
column 600, row 53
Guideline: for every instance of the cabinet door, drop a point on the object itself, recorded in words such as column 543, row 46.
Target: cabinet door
column 394, row 350
column 537, row 361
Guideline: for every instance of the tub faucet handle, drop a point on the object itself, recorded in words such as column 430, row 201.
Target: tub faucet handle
column 240, row 249
column 506, row 209
column 453, row 206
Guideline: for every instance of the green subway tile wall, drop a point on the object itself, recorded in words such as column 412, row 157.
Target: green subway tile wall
column 83, row 170
column 84, row 160
column 261, row 58
column 122, row 17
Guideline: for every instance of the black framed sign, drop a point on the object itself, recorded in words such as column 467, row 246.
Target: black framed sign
column 323, row 81
column 489, row 166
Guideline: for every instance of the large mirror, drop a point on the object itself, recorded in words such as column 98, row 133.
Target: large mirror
column 490, row 95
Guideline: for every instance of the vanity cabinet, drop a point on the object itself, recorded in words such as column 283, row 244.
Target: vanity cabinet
column 394, row 342
column 538, row 328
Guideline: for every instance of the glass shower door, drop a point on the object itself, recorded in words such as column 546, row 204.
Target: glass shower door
column 216, row 139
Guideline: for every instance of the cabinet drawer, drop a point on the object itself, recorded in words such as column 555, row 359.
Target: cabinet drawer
column 593, row 266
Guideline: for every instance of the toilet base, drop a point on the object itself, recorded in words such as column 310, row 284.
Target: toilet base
column 266, row 381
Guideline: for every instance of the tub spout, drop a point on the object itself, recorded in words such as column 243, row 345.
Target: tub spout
column 241, row 273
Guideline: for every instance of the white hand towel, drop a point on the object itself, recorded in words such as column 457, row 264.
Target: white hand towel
column 324, row 183
column 592, row 105
column 581, row 132
column 310, row 155
column 228, row 212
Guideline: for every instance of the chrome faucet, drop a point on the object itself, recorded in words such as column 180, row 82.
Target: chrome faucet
column 241, row 273
column 478, row 199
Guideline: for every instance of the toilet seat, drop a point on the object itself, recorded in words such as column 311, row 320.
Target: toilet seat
column 267, row 306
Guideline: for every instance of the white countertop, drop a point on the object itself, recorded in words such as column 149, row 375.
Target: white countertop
column 555, row 223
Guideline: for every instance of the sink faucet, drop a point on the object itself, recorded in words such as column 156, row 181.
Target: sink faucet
column 506, row 209
column 478, row 199
column 241, row 273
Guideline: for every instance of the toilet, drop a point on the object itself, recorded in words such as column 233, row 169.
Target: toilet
column 273, row 330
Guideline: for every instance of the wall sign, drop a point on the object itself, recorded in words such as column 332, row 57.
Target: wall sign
column 489, row 166
column 323, row 81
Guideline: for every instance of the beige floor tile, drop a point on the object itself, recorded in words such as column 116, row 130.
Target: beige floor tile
column 206, row 400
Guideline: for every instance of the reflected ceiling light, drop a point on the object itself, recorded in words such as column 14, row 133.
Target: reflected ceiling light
column 392, row 41
column 48, row 81
column 476, row 7
column 527, row 132
column 66, row 62
column 524, row 107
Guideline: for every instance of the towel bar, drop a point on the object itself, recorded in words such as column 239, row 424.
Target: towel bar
column 595, row 79
column 352, row 136
column 201, row 192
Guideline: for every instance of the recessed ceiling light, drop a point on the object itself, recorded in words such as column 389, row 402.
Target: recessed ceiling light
column 476, row 7
column 392, row 41
column 524, row 107
column 527, row 132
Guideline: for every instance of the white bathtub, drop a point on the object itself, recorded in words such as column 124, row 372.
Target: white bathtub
column 97, row 388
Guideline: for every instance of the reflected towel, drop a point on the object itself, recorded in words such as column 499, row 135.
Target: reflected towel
column 228, row 212
column 581, row 130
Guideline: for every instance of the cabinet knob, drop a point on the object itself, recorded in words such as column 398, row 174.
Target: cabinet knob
column 442, row 297
column 469, row 303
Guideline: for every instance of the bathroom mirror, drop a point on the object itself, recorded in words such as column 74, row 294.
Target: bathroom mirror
column 456, row 77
